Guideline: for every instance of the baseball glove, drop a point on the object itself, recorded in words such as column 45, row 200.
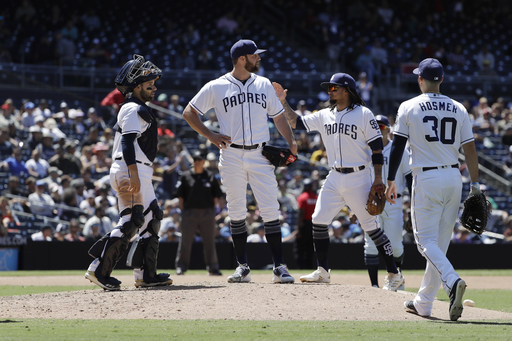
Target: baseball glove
column 475, row 213
column 279, row 157
column 407, row 226
column 375, row 205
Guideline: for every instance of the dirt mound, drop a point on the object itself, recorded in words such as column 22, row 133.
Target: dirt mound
column 203, row 297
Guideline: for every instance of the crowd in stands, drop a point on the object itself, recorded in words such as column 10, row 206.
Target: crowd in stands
column 375, row 37
column 55, row 166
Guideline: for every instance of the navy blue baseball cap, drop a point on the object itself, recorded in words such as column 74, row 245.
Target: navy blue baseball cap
column 382, row 119
column 243, row 47
column 341, row 79
column 430, row 69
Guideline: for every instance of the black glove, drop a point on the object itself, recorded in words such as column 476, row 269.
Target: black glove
column 475, row 213
column 279, row 157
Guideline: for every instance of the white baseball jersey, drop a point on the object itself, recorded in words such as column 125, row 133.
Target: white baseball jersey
column 240, row 107
column 436, row 127
column 345, row 134
column 130, row 122
column 402, row 171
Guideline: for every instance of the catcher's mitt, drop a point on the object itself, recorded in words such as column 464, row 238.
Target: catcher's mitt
column 375, row 205
column 475, row 213
column 279, row 157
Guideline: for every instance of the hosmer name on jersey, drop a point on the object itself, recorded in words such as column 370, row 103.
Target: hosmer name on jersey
column 441, row 106
column 243, row 97
column 341, row 128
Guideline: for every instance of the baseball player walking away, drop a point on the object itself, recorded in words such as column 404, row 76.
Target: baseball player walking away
column 242, row 101
column 353, row 142
column 436, row 126
column 391, row 220
column 135, row 148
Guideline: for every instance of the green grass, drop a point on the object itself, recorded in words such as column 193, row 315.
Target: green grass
column 213, row 330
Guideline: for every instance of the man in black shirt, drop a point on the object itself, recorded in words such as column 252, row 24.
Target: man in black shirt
column 198, row 192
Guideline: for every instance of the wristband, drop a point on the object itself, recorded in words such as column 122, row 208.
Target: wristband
column 474, row 184
column 378, row 159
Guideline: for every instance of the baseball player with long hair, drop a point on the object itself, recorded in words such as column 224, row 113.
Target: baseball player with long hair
column 135, row 147
column 243, row 101
column 436, row 126
column 391, row 220
column 353, row 143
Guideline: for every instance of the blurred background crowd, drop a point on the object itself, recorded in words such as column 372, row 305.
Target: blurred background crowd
column 55, row 153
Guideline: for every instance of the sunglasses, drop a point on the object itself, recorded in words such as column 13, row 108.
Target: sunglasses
column 333, row 87
column 382, row 127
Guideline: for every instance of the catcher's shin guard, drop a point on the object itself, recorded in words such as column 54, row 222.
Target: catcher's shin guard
column 136, row 254
column 149, row 248
column 114, row 249
column 98, row 247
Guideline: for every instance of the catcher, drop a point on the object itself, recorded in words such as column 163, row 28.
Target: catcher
column 353, row 143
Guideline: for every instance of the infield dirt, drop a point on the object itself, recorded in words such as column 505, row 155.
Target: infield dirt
column 348, row 297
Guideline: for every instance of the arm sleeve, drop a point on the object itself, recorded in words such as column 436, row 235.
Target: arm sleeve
column 395, row 156
column 300, row 124
column 128, row 148
column 376, row 144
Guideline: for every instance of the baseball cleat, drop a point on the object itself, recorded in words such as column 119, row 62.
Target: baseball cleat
column 320, row 275
column 281, row 275
column 410, row 308
column 158, row 281
column 393, row 281
column 109, row 284
column 456, row 294
column 242, row 274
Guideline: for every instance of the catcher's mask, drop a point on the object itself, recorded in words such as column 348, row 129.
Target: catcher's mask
column 135, row 72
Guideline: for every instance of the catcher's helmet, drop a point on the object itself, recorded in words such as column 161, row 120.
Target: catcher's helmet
column 135, row 72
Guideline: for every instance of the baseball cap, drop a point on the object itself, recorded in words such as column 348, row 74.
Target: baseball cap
column 29, row 105
column 382, row 119
column 243, row 47
column 341, row 79
column 430, row 69
column 162, row 97
column 40, row 183
column 63, row 105
column 34, row 129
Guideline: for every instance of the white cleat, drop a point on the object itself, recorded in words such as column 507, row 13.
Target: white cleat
column 242, row 274
column 320, row 275
column 393, row 281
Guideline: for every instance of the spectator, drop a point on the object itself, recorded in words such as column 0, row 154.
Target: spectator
column 74, row 234
column 364, row 88
column 70, row 31
column 103, row 163
column 66, row 50
column 36, row 166
column 485, row 57
column 456, row 58
column 94, row 120
column 205, row 59
column 40, row 202
column 304, row 239
column 54, row 175
column 185, row 60
column 90, row 20
column 45, row 235
column 6, row 147
column 168, row 234
column 101, row 220
column 257, row 233
column 46, row 146
column 14, row 164
column 88, row 205
column 13, row 187
column 486, row 71
column 34, row 138
column 92, row 138
column 99, row 55
column 69, row 209
column 110, row 105
column 175, row 104
column 302, row 108
column 27, row 118
column 338, row 232
column 30, row 182
column 88, row 159
column 365, row 63
column 42, row 109
column 333, row 36
column 79, row 186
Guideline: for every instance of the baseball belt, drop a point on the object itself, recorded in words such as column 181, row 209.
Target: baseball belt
column 348, row 170
column 440, row 167
column 143, row 163
column 254, row 146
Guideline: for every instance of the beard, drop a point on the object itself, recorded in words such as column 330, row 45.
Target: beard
column 333, row 101
column 146, row 95
column 251, row 67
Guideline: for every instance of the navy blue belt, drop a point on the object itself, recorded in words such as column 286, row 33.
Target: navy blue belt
column 440, row 167
column 254, row 146
column 347, row 170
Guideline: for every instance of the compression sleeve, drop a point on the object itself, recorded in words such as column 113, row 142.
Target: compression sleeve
column 128, row 148
column 376, row 144
column 395, row 155
column 300, row 124
column 408, row 180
